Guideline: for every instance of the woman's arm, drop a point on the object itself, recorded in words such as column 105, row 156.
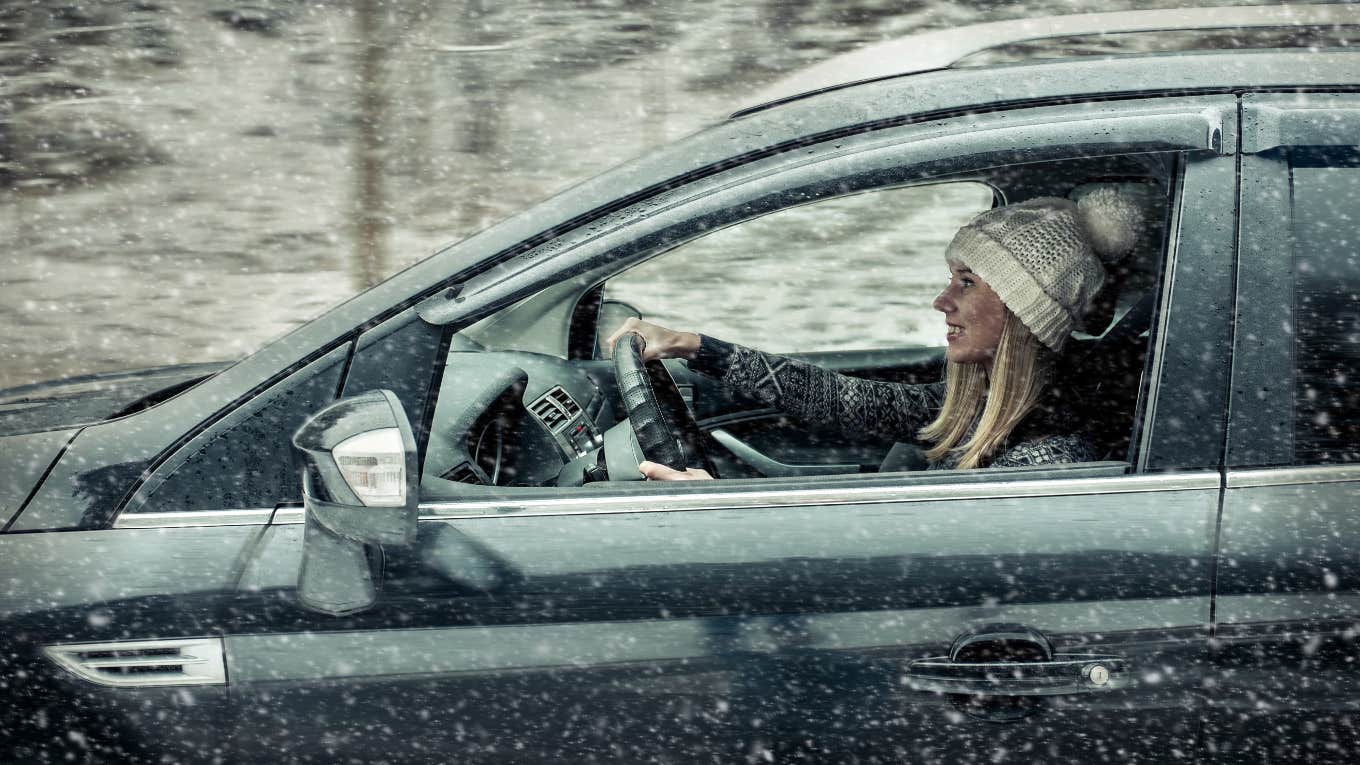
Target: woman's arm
column 819, row 396
column 814, row 395
column 1048, row 450
column 658, row 341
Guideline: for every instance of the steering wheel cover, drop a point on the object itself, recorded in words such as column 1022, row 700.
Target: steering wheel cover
column 665, row 429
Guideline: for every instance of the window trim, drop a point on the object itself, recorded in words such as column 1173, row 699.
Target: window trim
column 919, row 153
column 1288, row 476
column 821, row 497
column 663, row 500
column 1184, row 428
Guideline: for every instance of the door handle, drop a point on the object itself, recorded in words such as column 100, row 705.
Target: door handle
column 1000, row 660
column 772, row 468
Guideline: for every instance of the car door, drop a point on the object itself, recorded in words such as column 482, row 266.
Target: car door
column 776, row 618
column 1285, row 685
column 113, row 631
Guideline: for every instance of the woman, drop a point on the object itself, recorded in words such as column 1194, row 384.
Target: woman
column 1021, row 276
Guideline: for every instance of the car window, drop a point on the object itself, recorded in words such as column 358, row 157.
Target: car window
column 244, row 460
column 1326, row 228
column 776, row 282
column 852, row 275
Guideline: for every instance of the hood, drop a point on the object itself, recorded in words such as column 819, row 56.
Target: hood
column 89, row 399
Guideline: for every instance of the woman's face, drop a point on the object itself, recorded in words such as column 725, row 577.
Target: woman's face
column 973, row 316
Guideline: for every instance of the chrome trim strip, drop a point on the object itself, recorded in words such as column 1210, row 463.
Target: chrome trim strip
column 288, row 515
column 144, row 663
column 1243, row 479
column 722, row 500
column 730, row 500
column 250, row 517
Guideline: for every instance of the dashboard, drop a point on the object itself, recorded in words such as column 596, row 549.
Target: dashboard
column 512, row 418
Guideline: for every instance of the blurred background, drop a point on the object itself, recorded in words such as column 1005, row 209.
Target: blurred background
column 182, row 180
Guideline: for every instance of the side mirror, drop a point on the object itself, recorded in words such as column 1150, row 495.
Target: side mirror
column 357, row 457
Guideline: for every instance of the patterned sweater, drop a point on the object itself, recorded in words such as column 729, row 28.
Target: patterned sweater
column 858, row 406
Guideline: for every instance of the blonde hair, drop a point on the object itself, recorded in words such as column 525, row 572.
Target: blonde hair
column 1020, row 372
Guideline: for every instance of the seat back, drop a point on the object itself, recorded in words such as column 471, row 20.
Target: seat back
column 1104, row 375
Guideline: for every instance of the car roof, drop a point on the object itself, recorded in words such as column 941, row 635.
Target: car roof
column 942, row 49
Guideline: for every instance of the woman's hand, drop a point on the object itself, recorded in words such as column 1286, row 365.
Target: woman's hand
column 661, row 343
column 658, row 472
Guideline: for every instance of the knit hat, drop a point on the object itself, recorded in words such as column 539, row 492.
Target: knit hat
column 1043, row 257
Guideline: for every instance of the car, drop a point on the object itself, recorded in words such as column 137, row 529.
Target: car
column 412, row 529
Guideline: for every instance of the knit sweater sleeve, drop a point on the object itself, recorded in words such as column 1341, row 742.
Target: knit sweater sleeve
column 1050, row 450
column 819, row 396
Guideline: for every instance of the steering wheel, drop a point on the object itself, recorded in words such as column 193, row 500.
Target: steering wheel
column 664, row 426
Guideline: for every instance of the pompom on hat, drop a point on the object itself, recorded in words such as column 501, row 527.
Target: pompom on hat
column 1045, row 257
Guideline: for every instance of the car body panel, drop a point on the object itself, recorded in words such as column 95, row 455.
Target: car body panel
column 1284, row 685
column 109, row 588
column 106, row 461
column 27, row 459
column 75, row 401
column 1288, row 583
column 563, row 631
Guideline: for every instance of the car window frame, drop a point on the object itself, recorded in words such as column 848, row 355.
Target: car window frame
column 915, row 152
column 948, row 148
column 637, row 234
column 1264, row 383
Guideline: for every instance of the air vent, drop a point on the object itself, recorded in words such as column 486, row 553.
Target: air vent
column 555, row 409
column 463, row 472
column 145, row 664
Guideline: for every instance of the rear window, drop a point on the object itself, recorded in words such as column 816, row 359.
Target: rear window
column 1326, row 212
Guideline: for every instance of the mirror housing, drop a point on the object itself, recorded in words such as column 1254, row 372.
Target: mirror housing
column 357, row 459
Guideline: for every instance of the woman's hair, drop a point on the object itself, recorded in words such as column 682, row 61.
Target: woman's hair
column 1020, row 372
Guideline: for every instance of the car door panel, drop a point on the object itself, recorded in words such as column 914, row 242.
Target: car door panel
column 1284, row 685
column 1288, row 584
column 121, row 602
column 568, row 632
column 709, row 622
